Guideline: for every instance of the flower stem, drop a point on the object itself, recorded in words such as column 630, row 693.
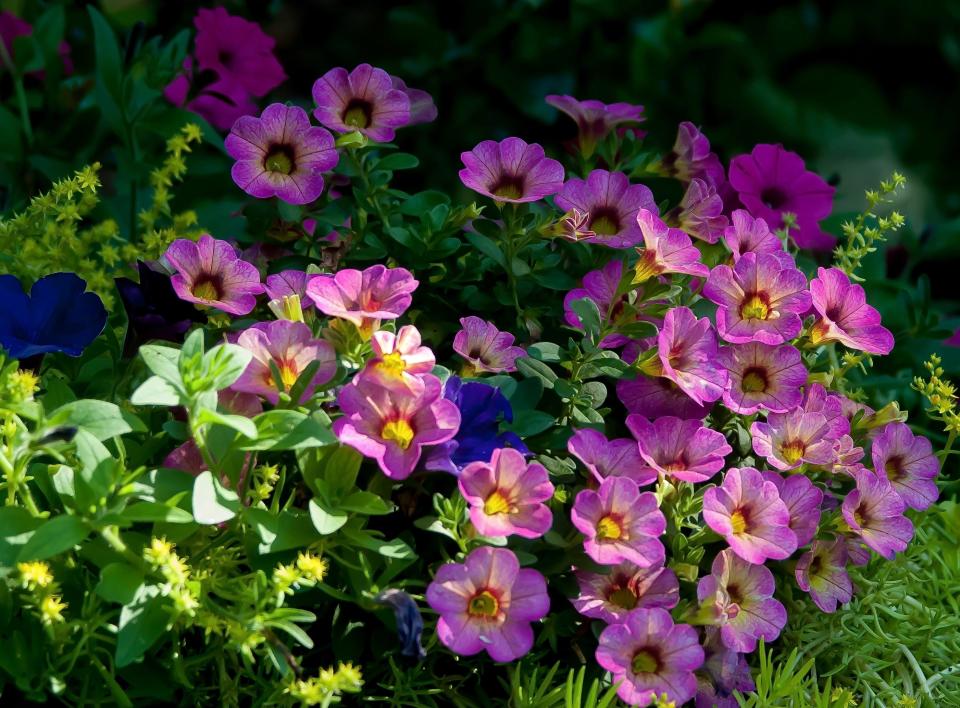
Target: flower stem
column 18, row 88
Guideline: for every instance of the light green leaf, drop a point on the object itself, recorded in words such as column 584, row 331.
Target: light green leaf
column 212, row 502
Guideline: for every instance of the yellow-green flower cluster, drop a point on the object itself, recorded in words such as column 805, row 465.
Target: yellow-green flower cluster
column 941, row 396
column 38, row 582
column 869, row 228
column 162, row 558
column 326, row 687
column 16, row 385
column 306, row 571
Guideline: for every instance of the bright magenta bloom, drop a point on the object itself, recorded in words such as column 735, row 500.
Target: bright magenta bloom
column 763, row 377
column 789, row 440
column 487, row 604
column 749, row 235
column 907, row 460
column 237, row 50
column 649, row 655
column 803, row 501
column 665, row 250
column 691, row 157
column 687, row 352
column 844, row 315
column 208, row 272
column 280, row 154
column 822, row 572
column 220, row 103
column 511, row 171
column 747, row 511
column 399, row 360
column 611, row 205
column 364, row 100
column 485, row 347
column 700, row 212
column 506, row 495
column 610, row 596
column 595, row 119
column 364, row 297
column 610, row 458
column 682, row 449
column 874, row 512
column 620, row 523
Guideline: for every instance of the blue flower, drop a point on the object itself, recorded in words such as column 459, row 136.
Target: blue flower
column 57, row 316
column 409, row 621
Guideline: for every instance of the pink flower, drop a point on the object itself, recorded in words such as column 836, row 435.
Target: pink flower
column 907, row 460
column 611, row 204
column 762, row 377
column 422, row 107
column 237, row 50
column 691, row 158
column 822, row 572
column 610, row 458
column 364, row 297
column 610, row 596
column 687, row 355
column 657, row 397
column 595, row 119
column 665, row 250
column 792, row 439
column 803, row 501
column 364, row 100
column 845, row 316
column 620, row 523
column 601, row 286
column 288, row 283
column 487, row 604
column 874, row 512
column 511, row 171
column 506, row 495
column 682, row 449
column 485, row 347
column 749, row 235
column 700, row 212
column 399, row 360
column 817, row 399
column 208, row 272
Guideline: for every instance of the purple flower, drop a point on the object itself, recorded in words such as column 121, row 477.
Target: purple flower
column 759, row 299
column 511, row 171
column 747, row 511
column 844, row 315
column 740, row 596
column 687, row 355
column 208, row 272
column 610, row 596
column 620, row 523
column 595, row 119
column 364, row 297
column 237, row 50
column 364, row 100
column 220, row 103
column 601, row 286
column 399, row 360
column 657, row 397
column 723, row 672
column 822, row 572
column 665, row 250
column 485, row 347
column 874, row 512
column 749, row 235
column 610, row 458
column 771, row 181
column 682, row 449
column 154, row 309
column 907, row 460
column 487, row 604
column 422, row 107
column 649, row 655
column 817, row 399
column 789, row 440
column 700, row 212
column 611, row 204
column 506, row 495
column 691, row 158
column 287, row 284
column 762, row 377
column 803, row 501
column 280, row 154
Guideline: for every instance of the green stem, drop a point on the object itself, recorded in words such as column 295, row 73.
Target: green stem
column 21, row 94
column 112, row 537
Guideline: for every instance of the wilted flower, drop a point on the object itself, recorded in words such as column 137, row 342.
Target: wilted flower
column 485, row 347
column 611, row 205
column 762, row 377
column 682, row 449
column 665, row 250
column 363, row 297
column 511, row 171
column 610, row 596
column 907, row 460
column 691, row 158
column 874, row 512
column 595, row 119
column 408, row 619
column 700, row 212
column 822, row 572
column 398, row 359
column 792, row 439
column 364, row 100
column 844, row 315
column 723, row 672
column 601, row 286
column 610, row 458
column 208, row 272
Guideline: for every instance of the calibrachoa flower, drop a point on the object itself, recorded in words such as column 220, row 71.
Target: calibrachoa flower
column 620, row 523
column 610, row 458
column 511, row 171
column 907, row 460
column 610, row 596
column 398, row 359
column 220, row 103
column 288, row 283
column 700, row 212
column 208, row 272
column 682, row 449
column 687, row 355
column 153, row 307
column 747, row 511
column 595, row 119
column 611, row 204
column 794, row 438
column 291, row 347
column 762, row 377
column 487, row 604
column 822, row 572
column 691, row 157
column 817, row 399
column 844, row 315
column 364, row 100
column 280, row 154
column 803, row 501
column 657, row 397
column 874, row 512
column 665, row 250
column 237, row 50
column 759, row 299
column 422, row 107
column 723, row 672
column 485, row 347
column 748, row 235
column 601, row 286
column 740, row 597
column 392, row 427
column 771, row 181
column 649, row 655
column 846, row 456
column 506, row 495
column 364, row 297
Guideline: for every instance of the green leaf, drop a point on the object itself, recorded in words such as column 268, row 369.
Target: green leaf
column 99, row 468
column 109, row 73
column 545, row 351
column 119, row 583
column 398, row 161
column 326, row 520
column 162, row 361
column 54, row 536
column 589, row 315
column 142, row 623
column 366, row 503
column 280, row 532
column 288, row 430
column 394, row 548
column 531, row 368
column 212, row 502
column 487, row 247
column 241, row 424
column 527, row 423
column 334, row 468
column 101, row 419
column 225, row 363
column 16, row 528
column 155, row 511
column 155, row 391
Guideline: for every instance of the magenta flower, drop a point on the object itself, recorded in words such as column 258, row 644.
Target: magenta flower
column 749, row 235
column 874, row 512
column 844, row 315
column 610, row 596
column 700, row 212
column 682, row 449
column 803, row 501
column 771, row 181
column 649, row 655
column 220, row 103
column 487, row 604
column 363, row 297
column 762, row 377
column 759, row 300
column 687, row 355
column 691, row 158
column 620, row 523
column 610, row 458
column 208, row 272
column 847, row 456
column 665, row 250
column 792, row 439
column 611, row 204
column 907, row 460
column 422, row 107
column 506, row 495
column 399, row 360
column 392, row 426
column 747, row 511
column 237, row 50
column 511, row 171
column 280, row 154
column 595, row 119
column 364, row 100
column 657, row 397
column 817, row 399
column 485, row 347
column 822, row 572
column 288, row 283
column 601, row 286
column 291, row 347
column 740, row 594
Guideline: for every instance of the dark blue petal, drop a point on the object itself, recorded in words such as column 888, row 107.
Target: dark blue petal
column 65, row 317
column 15, row 331
column 409, row 622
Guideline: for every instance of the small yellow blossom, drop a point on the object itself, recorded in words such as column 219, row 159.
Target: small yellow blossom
column 35, row 574
column 51, row 609
column 313, row 567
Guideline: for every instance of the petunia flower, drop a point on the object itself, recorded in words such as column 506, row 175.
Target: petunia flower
column 792, row 439
column 847, row 456
column 575, row 226
column 844, row 316
column 749, row 235
column 290, row 346
column 506, row 495
column 399, row 360
column 611, row 205
column 610, row 458
column 687, row 355
column 601, row 286
column 822, row 572
column 422, row 107
column 511, row 171
column 620, row 523
column 747, row 511
column 392, row 427
column 287, row 284
column 237, row 50
column 907, row 460
column 723, row 672
column 771, row 181
column 700, row 212
column 657, row 397
column 208, row 272
column 762, row 376
column 485, row 347
column 487, row 604
column 595, row 119
column 682, row 449
column 280, row 154
column 364, row 297
column 153, row 308
column 649, row 655
column 220, row 103
column 57, row 316
column 408, row 619
column 803, row 501
column 610, row 596
column 665, row 250
column 817, row 399
column 364, row 100
column 759, row 300
column 740, row 597
column 874, row 512
column 692, row 159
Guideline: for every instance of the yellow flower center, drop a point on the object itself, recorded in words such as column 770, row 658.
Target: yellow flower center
column 624, row 598
column 483, row 604
column 819, row 331
column 399, row 431
column 644, row 662
column 392, row 365
column 609, row 529
column 738, row 521
column 894, row 468
column 205, row 289
column 496, row 503
column 279, row 160
column 605, row 225
column 508, row 187
column 792, row 451
column 646, row 268
column 357, row 116
column 288, row 374
column 754, row 381
column 859, row 518
column 678, row 465
column 754, row 308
